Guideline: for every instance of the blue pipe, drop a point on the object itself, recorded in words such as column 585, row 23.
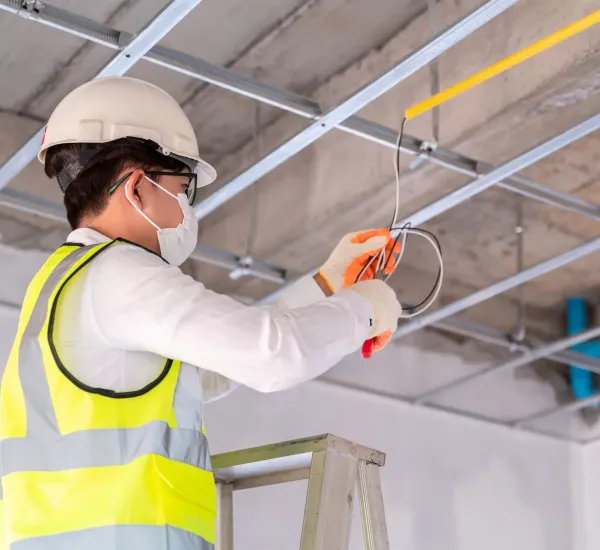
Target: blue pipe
column 582, row 381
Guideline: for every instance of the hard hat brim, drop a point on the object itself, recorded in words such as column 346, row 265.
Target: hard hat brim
column 206, row 173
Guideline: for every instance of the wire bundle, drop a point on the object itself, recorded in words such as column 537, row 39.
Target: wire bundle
column 401, row 236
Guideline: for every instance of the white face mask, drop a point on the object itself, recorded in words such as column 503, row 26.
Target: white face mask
column 176, row 243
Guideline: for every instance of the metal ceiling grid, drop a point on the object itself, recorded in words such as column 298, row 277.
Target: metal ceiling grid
column 143, row 45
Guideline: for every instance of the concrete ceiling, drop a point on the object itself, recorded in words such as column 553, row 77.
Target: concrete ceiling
column 326, row 49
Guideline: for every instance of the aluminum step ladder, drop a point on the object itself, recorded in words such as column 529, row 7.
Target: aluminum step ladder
column 333, row 467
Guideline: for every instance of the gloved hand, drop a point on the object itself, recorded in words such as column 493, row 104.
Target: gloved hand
column 386, row 309
column 353, row 253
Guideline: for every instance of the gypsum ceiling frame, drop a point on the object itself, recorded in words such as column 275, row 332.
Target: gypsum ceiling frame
column 130, row 53
column 226, row 79
column 366, row 95
column 463, row 28
column 293, row 103
column 422, row 214
column 297, row 104
column 103, row 35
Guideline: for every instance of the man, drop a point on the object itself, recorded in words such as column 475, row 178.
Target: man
column 101, row 435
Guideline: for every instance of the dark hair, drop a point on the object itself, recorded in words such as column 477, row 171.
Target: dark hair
column 88, row 193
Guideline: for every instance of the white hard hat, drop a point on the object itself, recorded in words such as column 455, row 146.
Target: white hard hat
column 107, row 109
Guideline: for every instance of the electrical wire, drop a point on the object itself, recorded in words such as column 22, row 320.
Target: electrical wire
column 402, row 234
column 421, row 307
column 397, row 172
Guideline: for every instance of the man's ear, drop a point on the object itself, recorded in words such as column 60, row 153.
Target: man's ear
column 134, row 189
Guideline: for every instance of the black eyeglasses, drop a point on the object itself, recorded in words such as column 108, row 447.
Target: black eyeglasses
column 190, row 187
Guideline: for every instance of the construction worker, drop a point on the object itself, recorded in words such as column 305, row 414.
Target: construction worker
column 102, row 437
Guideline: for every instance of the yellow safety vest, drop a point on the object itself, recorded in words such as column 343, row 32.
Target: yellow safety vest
column 91, row 469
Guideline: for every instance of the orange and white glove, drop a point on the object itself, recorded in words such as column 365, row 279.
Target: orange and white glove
column 386, row 310
column 353, row 253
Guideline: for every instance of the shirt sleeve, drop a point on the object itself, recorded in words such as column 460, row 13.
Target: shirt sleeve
column 303, row 292
column 140, row 303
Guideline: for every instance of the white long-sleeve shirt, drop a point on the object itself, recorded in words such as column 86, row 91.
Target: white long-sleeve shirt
column 129, row 309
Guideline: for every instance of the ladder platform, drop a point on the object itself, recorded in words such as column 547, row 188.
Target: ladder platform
column 285, row 461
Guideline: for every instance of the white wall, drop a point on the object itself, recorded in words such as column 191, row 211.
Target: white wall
column 449, row 483
column 590, row 495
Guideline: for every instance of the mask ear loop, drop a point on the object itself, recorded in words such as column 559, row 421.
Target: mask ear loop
column 135, row 206
column 163, row 189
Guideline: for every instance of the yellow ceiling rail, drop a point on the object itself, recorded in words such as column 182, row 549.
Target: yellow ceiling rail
column 504, row 65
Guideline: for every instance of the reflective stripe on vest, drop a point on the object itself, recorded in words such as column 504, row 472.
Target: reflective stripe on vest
column 126, row 537
column 87, row 468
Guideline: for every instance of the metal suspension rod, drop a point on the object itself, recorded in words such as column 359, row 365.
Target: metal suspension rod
column 294, row 103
